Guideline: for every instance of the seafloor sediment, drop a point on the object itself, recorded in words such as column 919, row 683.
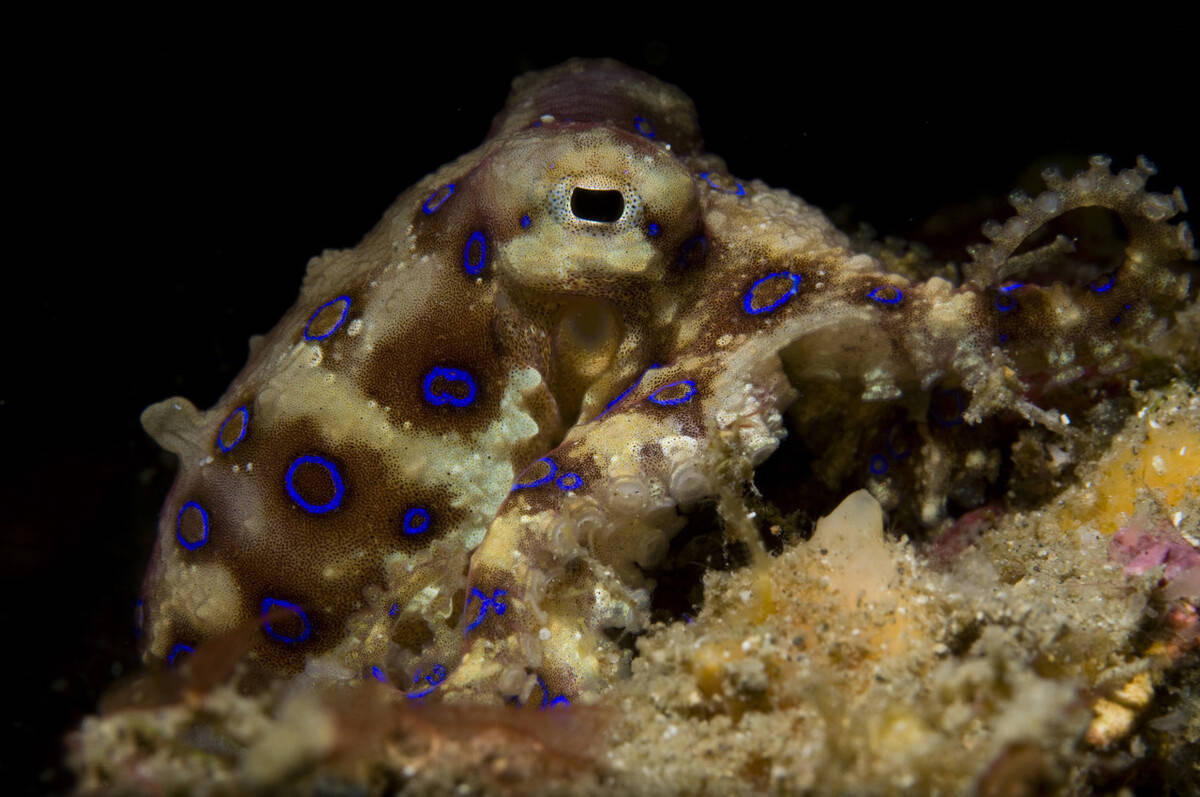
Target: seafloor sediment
column 1051, row 649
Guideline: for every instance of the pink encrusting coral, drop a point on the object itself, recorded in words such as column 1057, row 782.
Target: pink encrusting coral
column 1140, row 549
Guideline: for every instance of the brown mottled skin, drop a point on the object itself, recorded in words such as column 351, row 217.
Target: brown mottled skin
column 590, row 245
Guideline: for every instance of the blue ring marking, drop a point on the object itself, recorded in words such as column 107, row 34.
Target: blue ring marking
column 191, row 546
column 642, row 126
column 553, row 469
column 339, row 487
column 270, row 603
column 484, row 602
column 1106, row 286
column 476, row 238
column 394, row 610
column 431, row 209
column 526, row 221
column 626, row 391
column 878, row 464
column 652, row 230
column 1003, row 337
column 897, row 456
column 689, row 245
column 335, row 327
column 449, row 375
column 748, row 300
column 957, row 418
column 1009, row 303
column 245, row 415
column 180, row 649
column 435, row 677
column 379, row 674
column 139, row 617
column 561, row 700
column 669, row 402
column 741, row 190
column 876, row 296
column 418, row 514
column 576, row 481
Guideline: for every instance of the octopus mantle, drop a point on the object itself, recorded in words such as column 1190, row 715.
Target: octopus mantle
column 456, row 462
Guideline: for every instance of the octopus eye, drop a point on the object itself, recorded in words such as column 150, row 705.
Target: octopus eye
column 593, row 204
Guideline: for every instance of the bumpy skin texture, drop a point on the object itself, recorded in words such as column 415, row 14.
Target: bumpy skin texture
column 452, row 462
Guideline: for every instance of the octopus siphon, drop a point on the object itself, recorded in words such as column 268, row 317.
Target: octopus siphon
column 459, row 460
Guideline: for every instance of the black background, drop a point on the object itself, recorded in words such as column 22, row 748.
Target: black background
column 172, row 187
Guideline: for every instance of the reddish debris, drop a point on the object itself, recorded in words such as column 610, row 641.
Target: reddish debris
column 963, row 534
column 1139, row 549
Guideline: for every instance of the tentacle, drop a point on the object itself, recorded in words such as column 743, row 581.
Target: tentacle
column 562, row 566
column 1145, row 214
column 1056, row 334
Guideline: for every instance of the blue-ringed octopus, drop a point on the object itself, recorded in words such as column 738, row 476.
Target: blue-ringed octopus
column 457, row 460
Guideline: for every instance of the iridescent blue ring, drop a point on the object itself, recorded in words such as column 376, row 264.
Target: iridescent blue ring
column 1003, row 302
column 552, row 469
column 642, row 126
column 741, row 190
column 476, row 238
column 526, row 221
column 270, row 603
column 434, row 201
column 449, row 375
column 892, row 449
column 1104, row 287
column 652, row 229
column 878, row 464
column 626, row 391
column 957, row 418
column 180, row 649
column 345, row 309
column 416, row 520
column 569, row 481
column 882, row 299
column 191, row 546
column 691, row 244
column 748, row 300
column 339, row 487
column 379, row 675
column 435, row 677
column 245, row 415
column 689, row 392
column 561, row 700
